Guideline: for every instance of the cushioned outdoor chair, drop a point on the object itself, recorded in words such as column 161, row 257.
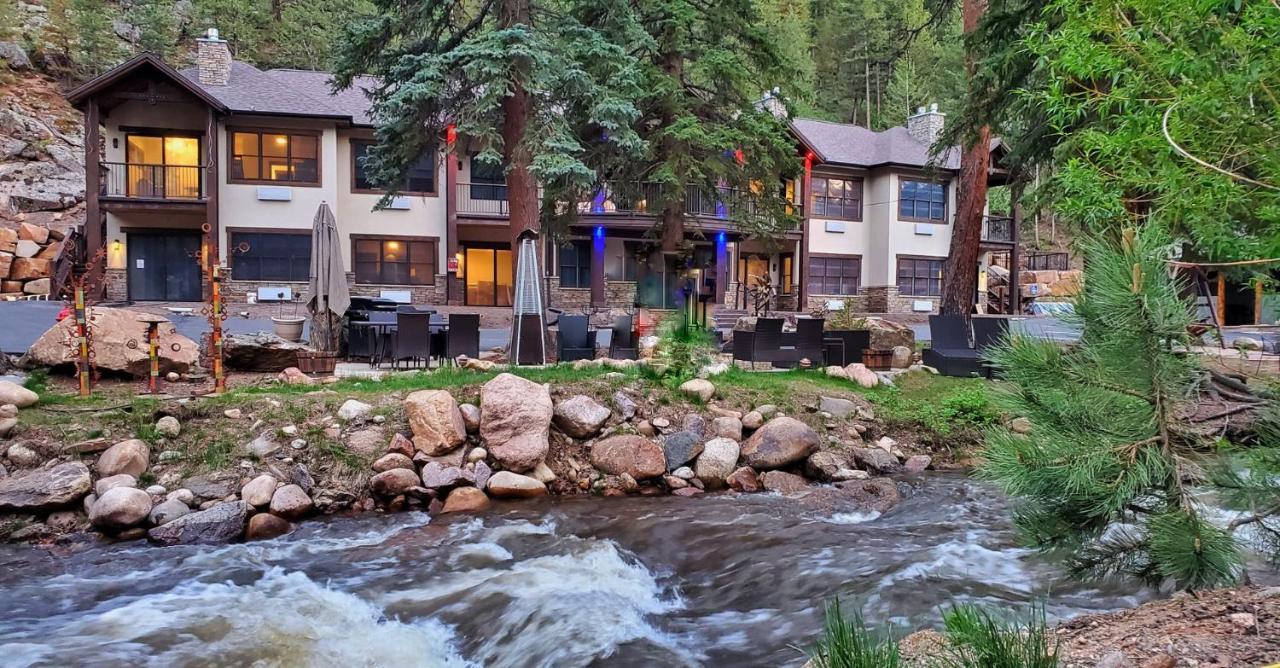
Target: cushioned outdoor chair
column 362, row 340
column 622, row 340
column 577, row 341
column 987, row 332
column 949, row 351
column 808, row 342
column 463, row 336
column 764, row 344
column 412, row 339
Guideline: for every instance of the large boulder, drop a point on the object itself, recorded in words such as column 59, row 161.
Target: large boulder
column 394, row 482
column 825, row 465
column 580, row 416
column 168, row 511
column 783, row 482
column 130, row 457
column 465, row 500
column 120, row 508
column 681, row 448
column 45, row 489
column 435, row 421
column 264, row 526
column 877, row 460
column 16, row 395
column 718, row 460
column 508, row 485
column 219, row 524
column 291, row 502
column 118, row 337
column 633, row 455
column 515, row 421
column 258, row 492
column 887, row 334
column 780, row 442
column 261, row 351
column 698, row 388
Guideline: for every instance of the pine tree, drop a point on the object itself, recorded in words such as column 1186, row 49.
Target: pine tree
column 1110, row 468
column 157, row 26
column 94, row 45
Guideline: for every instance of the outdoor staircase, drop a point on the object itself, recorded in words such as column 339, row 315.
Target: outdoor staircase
column 726, row 318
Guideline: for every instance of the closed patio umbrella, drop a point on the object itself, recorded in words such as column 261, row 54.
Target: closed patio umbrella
column 327, row 294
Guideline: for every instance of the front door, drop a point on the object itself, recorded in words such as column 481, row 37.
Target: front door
column 488, row 274
column 164, row 267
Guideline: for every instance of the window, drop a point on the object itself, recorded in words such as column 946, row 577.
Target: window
column 394, row 261
column 575, row 265
column 788, row 276
column 635, row 260
column 271, row 256
column 275, row 157
column 421, row 179
column 919, row 277
column 161, row 166
column 836, row 198
column 835, row 275
column 488, row 180
column 922, row 201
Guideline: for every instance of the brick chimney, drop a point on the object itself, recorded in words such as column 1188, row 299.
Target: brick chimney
column 926, row 124
column 213, row 57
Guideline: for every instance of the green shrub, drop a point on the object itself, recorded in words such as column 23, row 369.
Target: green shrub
column 682, row 352
column 979, row 638
column 846, row 642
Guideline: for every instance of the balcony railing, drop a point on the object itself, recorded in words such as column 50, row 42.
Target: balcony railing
column 1045, row 261
column 483, row 199
column 997, row 229
column 154, row 182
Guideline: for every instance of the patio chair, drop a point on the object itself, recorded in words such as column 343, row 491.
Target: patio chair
column 949, row 350
column 463, row 336
column 412, row 339
column 622, row 341
column 577, row 341
column 988, row 332
column 363, row 341
column 808, row 342
column 762, row 345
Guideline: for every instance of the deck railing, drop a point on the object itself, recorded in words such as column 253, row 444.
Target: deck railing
column 134, row 180
column 485, row 199
column 998, row 229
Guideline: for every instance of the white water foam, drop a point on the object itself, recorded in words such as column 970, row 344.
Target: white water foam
column 282, row 619
column 854, row 517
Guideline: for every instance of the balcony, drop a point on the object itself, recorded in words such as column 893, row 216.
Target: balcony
column 997, row 230
column 151, row 182
column 486, row 200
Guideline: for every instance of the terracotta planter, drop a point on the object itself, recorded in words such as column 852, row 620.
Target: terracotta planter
column 877, row 360
column 289, row 329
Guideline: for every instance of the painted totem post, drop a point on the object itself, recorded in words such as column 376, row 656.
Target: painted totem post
column 82, row 344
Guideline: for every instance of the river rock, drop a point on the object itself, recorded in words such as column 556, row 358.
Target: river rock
column 719, row 458
column 744, row 479
column 876, row 495
column 45, row 489
column 263, row 446
column 258, row 492
column 168, row 511
column 542, row 473
column 435, row 420
column 681, row 448
column 860, row 374
column 24, row 456
column 129, row 456
column 366, row 442
column 14, row 394
column 290, row 502
column 260, row 351
column 876, row 460
column 8, row 411
column 693, row 422
column 752, row 420
column 580, row 416
column 849, row 474
column 901, row 357
column 465, row 500
column 400, row 445
column 111, row 482
column 727, row 427
column 698, row 388
column 168, row 426
column 508, row 485
column 917, row 463
column 837, row 407
column 780, row 442
column 470, row 417
column 515, row 420
column 352, row 409
column 626, row 405
column 392, row 460
column 437, row 476
column 783, row 483
column 824, row 465
column 634, row 455
column 1020, row 425
column 394, row 482
column 684, row 473
column 7, row 425
column 265, row 526
column 212, row 486
column 113, row 329
column 218, row 524
column 120, row 508
column 294, row 376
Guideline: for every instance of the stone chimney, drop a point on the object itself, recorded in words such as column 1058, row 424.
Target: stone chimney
column 926, row 124
column 213, row 57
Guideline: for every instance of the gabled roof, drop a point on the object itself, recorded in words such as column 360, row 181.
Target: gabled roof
column 250, row 90
column 350, row 101
column 856, row 146
column 137, row 64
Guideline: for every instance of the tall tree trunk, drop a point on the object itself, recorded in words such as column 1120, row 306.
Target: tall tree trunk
column 673, row 208
column 522, row 188
column 960, row 271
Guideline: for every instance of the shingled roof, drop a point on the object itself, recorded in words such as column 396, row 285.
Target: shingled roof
column 288, row 93
column 856, row 146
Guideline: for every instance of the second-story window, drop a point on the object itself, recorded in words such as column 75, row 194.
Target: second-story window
column 488, row 180
column 265, row 156
column 836, row 198
column 922, row 201
column 421, row 179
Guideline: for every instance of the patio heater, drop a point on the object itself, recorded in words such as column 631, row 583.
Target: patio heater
column 528, row 326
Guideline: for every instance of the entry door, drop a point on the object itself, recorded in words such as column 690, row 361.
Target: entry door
column 164, row 267
column 489, row 276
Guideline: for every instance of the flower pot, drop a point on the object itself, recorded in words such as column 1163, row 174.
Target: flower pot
column 289, row 329
column 317, row 362
column 878, row 360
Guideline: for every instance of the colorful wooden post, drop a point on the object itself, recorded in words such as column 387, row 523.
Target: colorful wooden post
column 215, row 328
column 82, row 341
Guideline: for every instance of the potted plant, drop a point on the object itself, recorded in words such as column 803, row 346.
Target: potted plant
column 850, row 329
column 289, row 327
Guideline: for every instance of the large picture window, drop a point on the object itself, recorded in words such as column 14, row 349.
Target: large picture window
column 386, row 261
column 271, row 256
column 919, row 277
column 836, row 198
column 421, row 179
column 264, row 156
column 575, row 265
column 834, row 275
column 488, row 180
column 922, row 201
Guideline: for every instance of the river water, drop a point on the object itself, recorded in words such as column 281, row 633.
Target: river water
column 711, row 581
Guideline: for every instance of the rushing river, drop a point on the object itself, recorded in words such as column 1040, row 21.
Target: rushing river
column 712, row 581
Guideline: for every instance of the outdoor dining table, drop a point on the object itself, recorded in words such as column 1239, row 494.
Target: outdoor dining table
column 381, row 333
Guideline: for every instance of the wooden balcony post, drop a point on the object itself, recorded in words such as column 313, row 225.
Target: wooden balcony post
column 802, row 296
column 94, row 225
column 211, row 187
column 1015, row 254
column 452, row 282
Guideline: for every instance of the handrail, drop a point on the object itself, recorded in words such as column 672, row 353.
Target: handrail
column 144, row 180
column 490, row 199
